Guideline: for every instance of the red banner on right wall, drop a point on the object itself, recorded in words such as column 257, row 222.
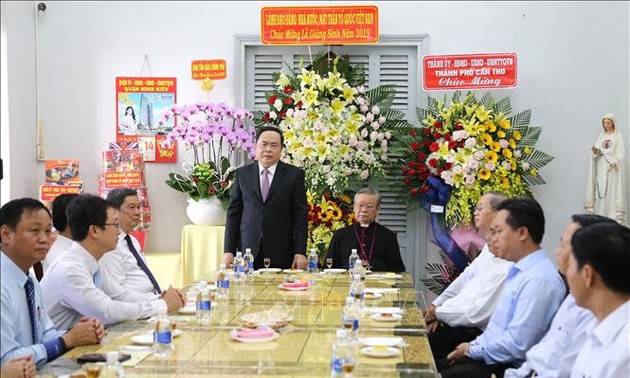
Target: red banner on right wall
column 471, row 71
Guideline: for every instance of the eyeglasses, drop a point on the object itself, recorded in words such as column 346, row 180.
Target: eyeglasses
column 368, row 206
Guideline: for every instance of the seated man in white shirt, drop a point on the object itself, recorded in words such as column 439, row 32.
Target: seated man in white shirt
column 60, row 223
column 598, row 278
column 125, row 266
column 555, row 354
column 463, row 310
column 26, row 328
column 72, row 285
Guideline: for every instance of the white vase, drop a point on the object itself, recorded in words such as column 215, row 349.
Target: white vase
column 206, row 212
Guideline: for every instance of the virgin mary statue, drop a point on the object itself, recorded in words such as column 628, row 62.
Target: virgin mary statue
column 605, row 189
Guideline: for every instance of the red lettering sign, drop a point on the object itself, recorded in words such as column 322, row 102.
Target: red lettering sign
column 472, row 71
column 214, row 69
column 319, row 25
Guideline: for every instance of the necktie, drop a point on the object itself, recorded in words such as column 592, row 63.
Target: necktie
column 30, row 298
column 142, row 264
column 97, row 278
column 264, row 185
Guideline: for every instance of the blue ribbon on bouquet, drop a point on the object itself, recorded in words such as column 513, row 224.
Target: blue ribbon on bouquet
column 438, row 195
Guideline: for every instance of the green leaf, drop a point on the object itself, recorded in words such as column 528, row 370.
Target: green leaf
column 382, row 96
column 487, row 101
column 503, row 106
column 538, row 159
column 530, row 137
column 522, row 119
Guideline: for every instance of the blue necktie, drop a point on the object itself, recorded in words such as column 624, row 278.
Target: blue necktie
column 142, row 264
column 30, row 298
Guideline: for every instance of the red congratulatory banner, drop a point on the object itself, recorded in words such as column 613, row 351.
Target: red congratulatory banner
column 472, row 71
column 319, row 25
column 212, row 68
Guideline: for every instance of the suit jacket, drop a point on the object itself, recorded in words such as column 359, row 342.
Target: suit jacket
column 278, row 225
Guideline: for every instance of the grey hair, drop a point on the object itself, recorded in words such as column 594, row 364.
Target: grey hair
column 370, row 191
column 495, row 199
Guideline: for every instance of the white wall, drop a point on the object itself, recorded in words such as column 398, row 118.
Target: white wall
column 573, row 68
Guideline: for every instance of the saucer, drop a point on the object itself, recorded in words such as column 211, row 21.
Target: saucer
column 147, row 338
column 377, row 352
column 386, row 318
column 253, row 340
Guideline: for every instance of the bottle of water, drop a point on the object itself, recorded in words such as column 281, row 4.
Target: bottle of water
column 342, row 361
column 162, row 338
column 223, row 284
column 350, row 319
column 248, row 262
column 313, row 262
column 112, row 368
column 239, row 266
column 356, row 290
column 203, row 304
column 354, row 256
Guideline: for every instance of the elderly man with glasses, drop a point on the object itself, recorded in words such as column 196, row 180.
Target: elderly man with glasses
column 374, row 242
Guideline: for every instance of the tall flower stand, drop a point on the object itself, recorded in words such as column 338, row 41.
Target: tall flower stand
column 206, row 212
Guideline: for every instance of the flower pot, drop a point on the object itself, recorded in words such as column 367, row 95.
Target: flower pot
column 206, row 212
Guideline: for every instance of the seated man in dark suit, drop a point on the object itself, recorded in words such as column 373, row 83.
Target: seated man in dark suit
column 374, row 242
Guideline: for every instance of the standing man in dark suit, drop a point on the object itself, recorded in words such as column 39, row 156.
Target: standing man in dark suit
column 268, row 210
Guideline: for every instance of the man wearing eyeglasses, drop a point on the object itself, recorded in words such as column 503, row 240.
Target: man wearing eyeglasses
column 74, row 286
column 374, row 242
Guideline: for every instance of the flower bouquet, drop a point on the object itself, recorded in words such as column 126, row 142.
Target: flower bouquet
column 325, row 216
column 470, row 147
column 211, row 134
column 335, row 129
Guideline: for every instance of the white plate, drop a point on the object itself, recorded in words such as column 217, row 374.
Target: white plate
column 251, row 317
column 192, row 310
column 384, row 341
column 372, row 352
column 147, row 338
column 135, row 348
column 253, row 340
column 371, row 295
column 381, row 318
column 270, row 270
column 335, row 270
column 281, row 286
column 292, row 270
column 385, row 310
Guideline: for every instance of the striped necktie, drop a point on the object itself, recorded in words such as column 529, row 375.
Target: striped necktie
column 30, row 298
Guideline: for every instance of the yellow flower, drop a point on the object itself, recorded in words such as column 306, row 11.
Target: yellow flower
column 484, row 174
column 501, row 134
column 443, row 151
column 513, row 165
column 309, row 97
column 512, row 143
column 507, row 153
column 337, row 106
column 495, row 146
column 516, row 135
column 470, row 126
column 505, row 183
column 490, row 126
column 492, row 157
column 351, row 128
column 504, row 124
column 486, row 139
column 533, row 172
column 527, row 150
column 344, row 198
column 482, row 113
column 349, row 92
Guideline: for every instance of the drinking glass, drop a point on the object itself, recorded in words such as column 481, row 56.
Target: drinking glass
column 329, row 262
column 267, row 262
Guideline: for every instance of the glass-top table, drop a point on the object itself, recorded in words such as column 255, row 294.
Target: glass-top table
column 303, row 348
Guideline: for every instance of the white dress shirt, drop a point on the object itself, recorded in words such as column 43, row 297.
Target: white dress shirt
column 606, row 352
column 70, row 293
column 472, row 301
column 477, row 266
column 123, row 273
column 555, row 354
column 61, row 245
